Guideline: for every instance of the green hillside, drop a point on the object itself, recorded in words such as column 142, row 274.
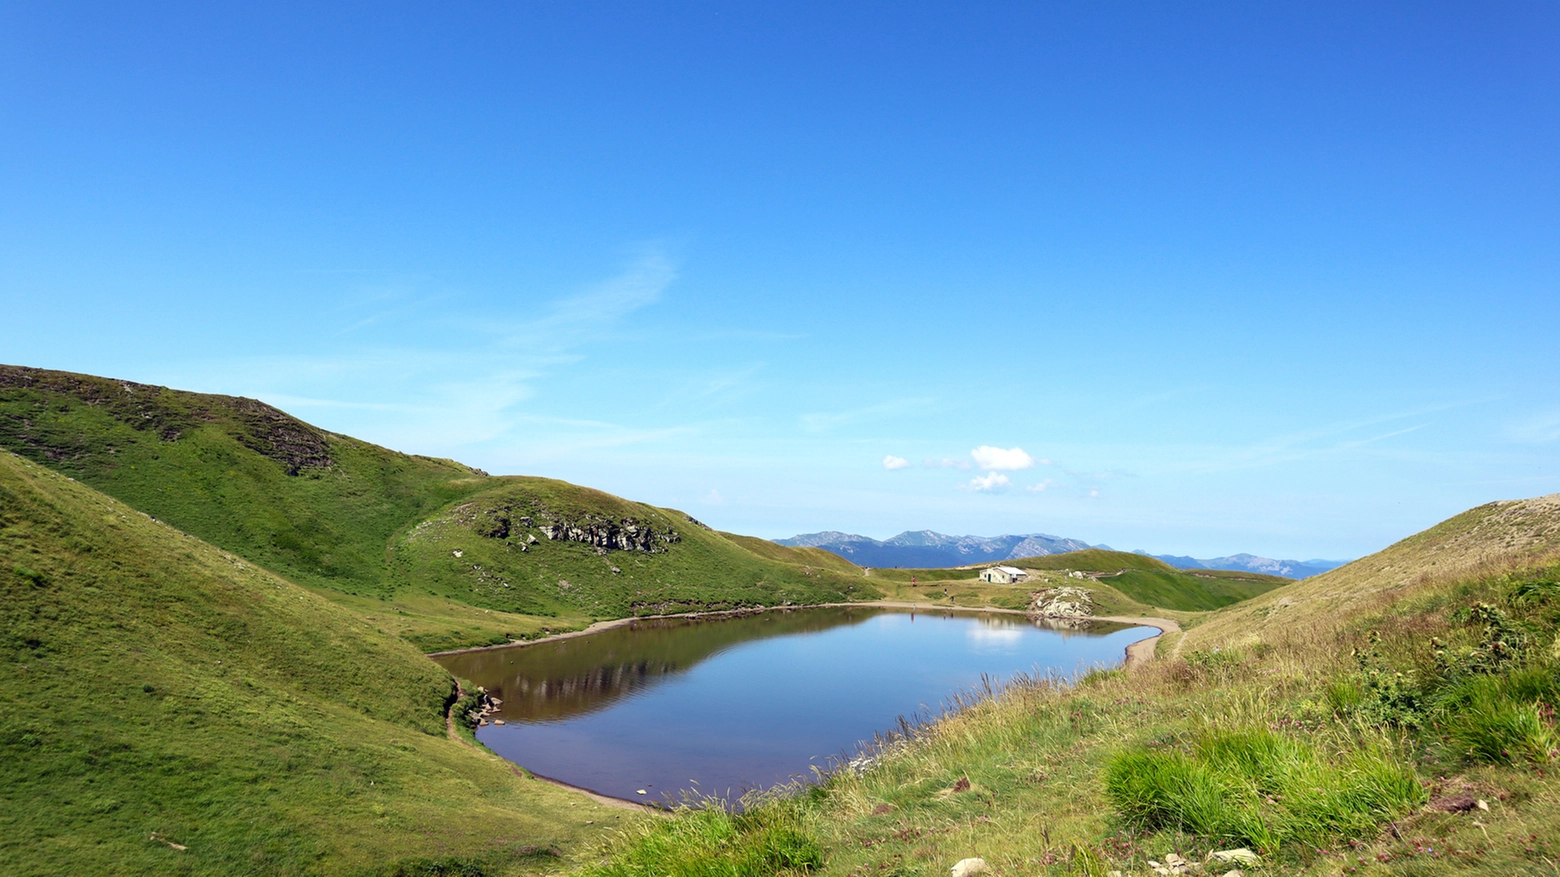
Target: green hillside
column 1093, row 560
column 548, row 548
column 316, row 507
column 1124, row 583
column 376, row 530
column 157, row 690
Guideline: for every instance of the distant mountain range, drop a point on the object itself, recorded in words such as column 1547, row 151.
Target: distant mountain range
column 925, row 549
column 1295, row 569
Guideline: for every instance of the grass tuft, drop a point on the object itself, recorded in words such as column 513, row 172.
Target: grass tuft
column 709, row 841
column 1254, row 786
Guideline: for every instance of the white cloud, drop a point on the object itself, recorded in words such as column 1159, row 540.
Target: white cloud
column 1094, row 492
column 1006, row 460
column 892, row 462
column 989, row 481
column 1037, row 488
column 713, row 497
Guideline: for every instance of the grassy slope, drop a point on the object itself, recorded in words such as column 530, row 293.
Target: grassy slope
column 342, row 516
column 1124, row 584
column 1339, row 732
column 1480, row 543
column 152, row 683
column 316, row 507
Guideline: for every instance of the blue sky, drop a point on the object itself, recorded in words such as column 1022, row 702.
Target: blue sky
column 1232, row 278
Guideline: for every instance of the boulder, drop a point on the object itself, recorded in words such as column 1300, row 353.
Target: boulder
column 970, row 867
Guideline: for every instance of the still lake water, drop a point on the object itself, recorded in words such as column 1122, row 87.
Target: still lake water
column 722, row 705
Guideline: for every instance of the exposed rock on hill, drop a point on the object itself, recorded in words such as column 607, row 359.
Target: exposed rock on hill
column 1063, row 602
column 32, row 401
column 625, row 535
column 604, row 532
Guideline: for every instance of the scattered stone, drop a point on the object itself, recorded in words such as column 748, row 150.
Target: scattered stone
column 498, row 721
column 641, row 792
column 458, row 553
column 963, row 785
column 1240, row 856
column 970, row 867
column 1173, row 864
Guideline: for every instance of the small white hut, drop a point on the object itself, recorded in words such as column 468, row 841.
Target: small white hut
column 1003, row 575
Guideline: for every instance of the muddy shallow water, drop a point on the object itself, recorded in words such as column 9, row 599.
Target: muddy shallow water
column 718, row 706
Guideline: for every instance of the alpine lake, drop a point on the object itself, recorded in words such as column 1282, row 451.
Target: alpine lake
column 674, row 709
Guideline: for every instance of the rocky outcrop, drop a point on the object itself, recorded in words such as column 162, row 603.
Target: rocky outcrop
column 627, row 534
column 604, row 532
column 1062, row 603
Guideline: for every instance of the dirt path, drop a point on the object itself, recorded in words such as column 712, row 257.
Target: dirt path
column 1142, row 652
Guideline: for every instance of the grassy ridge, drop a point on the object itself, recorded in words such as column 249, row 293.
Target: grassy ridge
column 316, row 507
column 157, row 690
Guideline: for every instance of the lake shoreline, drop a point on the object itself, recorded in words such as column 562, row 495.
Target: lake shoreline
column 1137, row 654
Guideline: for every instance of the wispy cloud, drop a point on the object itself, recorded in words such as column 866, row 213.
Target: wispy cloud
column 1538, row 429
column 891, row 462
column 947, row 463
column 1333, row 438
column 390, row 380
column 640, row 285
column 1038, row 488
column 825, row 421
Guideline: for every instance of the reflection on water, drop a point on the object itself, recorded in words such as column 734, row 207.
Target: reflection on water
column 569, row 677
column 724, row 704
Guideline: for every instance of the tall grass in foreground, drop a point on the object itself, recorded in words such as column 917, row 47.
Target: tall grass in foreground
column 709, row 841
column 1253, row 786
